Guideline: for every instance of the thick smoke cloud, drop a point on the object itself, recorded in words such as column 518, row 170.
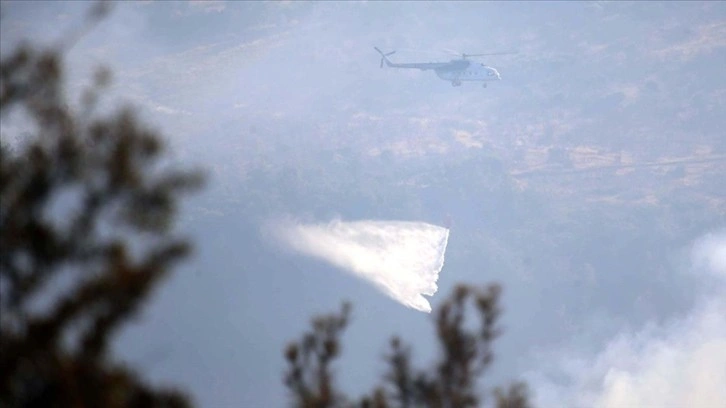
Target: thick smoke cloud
column 677, row 363
column 403, row 259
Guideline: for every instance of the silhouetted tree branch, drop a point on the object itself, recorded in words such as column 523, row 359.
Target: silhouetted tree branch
column 309, row 376
column 84, row 205
column 516, row 396
column 466, row 354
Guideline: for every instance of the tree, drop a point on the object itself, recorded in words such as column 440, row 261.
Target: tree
column 466, row 354
column 86, row 235
column 86, row 206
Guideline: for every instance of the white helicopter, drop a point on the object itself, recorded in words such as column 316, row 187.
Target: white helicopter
column 456, row 71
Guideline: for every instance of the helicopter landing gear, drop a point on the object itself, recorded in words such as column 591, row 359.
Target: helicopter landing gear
column 456, row 83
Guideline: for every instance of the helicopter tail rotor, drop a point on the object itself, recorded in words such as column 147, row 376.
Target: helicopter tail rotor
column 384, row 56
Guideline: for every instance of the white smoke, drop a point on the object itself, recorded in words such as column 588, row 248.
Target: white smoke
column 709, row 255
column 403, row 259
column 679, row 363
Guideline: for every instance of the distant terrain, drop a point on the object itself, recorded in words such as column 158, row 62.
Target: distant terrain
column 578, row 182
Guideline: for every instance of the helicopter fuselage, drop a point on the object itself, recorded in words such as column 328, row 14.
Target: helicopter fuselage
column 472, row 72
column 456, row 71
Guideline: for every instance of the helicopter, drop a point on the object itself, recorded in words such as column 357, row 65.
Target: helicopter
column 456, row 71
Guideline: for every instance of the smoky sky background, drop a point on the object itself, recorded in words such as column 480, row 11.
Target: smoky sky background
column 589, row 182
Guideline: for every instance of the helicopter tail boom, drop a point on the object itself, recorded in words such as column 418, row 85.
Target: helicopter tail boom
column 415, row 65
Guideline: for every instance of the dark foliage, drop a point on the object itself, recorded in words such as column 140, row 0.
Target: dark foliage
column 86, row 235
column 86, row 217
column 452, row 383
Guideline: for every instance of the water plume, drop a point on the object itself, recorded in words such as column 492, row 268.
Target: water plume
column 403, row 259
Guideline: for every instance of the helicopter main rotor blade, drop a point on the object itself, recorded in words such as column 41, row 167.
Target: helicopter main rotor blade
column 451, row 52
column 490, row 53
column 465, row 55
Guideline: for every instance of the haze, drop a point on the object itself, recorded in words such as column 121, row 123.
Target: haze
column 588, row 182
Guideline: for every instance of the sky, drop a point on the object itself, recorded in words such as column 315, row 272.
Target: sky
column 588, row 182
